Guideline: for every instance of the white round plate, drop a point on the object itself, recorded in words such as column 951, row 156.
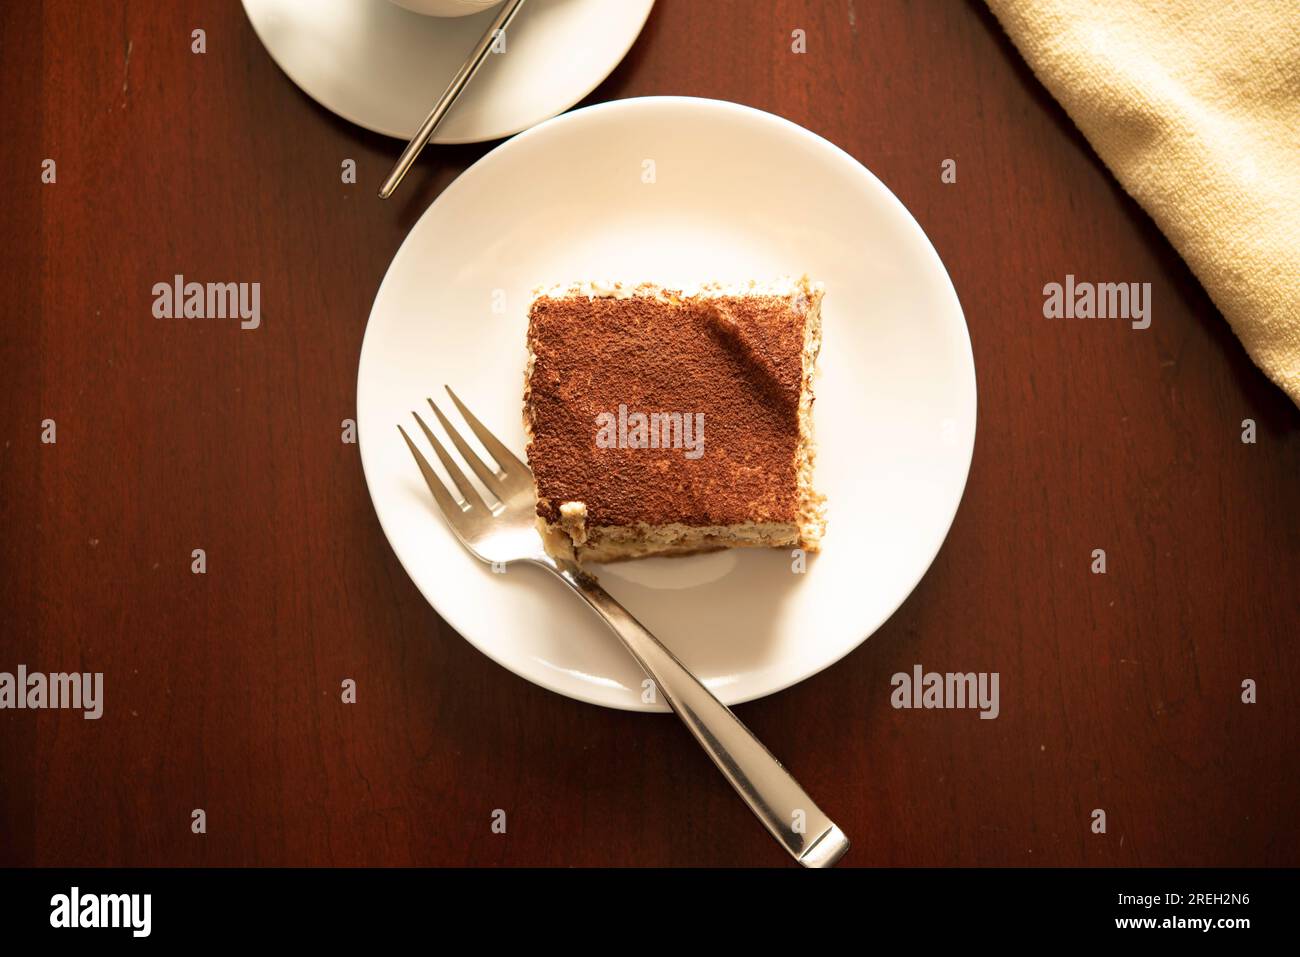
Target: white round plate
column 383, row 67
column 735, row 194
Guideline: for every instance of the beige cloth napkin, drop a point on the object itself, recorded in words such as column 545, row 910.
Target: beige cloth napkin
column 1195, row 107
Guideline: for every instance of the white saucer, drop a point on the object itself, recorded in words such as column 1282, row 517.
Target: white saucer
column 383, row 67
column 736, row 194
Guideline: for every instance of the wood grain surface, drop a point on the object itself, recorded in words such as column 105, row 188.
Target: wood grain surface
column 1119, row 691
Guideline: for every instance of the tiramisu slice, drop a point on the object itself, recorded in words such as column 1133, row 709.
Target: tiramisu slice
column 663, row 421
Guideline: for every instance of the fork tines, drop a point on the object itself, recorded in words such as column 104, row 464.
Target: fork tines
column 508, row 477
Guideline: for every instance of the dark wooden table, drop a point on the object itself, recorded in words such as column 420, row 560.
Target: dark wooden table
column 1119, row 691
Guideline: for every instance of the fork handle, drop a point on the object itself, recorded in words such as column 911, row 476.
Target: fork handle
column 772, row 794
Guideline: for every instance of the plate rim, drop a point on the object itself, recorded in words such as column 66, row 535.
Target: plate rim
column 449, row 140
column 635, row 705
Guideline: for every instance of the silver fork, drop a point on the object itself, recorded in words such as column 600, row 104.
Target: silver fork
column 507, row 532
